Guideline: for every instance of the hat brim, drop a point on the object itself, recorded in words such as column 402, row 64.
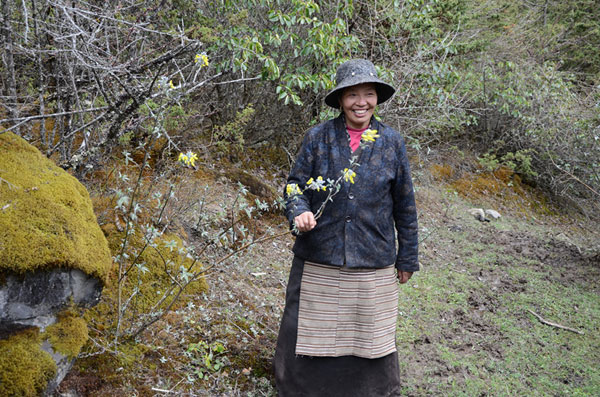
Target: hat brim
column 384, row 90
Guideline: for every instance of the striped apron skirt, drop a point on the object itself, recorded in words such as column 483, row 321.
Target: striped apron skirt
column 337, row 334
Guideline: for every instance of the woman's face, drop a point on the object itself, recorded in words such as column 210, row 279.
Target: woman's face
column 358, row 103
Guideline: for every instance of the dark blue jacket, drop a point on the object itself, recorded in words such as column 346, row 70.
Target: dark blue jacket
column 357, row 228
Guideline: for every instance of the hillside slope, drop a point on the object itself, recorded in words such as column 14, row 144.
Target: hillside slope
column 465, row 325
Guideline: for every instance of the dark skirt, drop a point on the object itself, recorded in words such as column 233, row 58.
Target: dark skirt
column 326, row 376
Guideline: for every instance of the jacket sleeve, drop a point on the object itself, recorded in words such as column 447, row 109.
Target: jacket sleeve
column 405, row 215
column 296, row 204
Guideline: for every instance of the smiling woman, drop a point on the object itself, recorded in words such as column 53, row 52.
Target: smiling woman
column 337, row 335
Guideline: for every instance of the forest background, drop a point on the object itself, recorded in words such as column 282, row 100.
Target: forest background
column 145, row 102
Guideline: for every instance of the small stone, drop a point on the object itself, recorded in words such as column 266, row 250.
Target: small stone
column 478, row 214
column 493, row 214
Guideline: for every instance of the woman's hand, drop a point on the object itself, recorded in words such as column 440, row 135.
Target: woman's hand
column 305, row 222
column 404, row 276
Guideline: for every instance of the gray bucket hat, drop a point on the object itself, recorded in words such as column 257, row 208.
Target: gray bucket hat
column 358, row 71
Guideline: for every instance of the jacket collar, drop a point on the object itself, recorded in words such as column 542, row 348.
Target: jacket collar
column 341, row 143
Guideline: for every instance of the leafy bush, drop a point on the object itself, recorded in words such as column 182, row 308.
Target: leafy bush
column 535, row 122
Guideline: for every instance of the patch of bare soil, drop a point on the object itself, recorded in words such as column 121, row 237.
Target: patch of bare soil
column 564, row 261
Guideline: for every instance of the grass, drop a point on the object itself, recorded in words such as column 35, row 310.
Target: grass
column 465, row 330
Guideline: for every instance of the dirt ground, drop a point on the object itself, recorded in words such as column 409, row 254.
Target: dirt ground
column 554, row 259
column 464, row 325
column 472, row 337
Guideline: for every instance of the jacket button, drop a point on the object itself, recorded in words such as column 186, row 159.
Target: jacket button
column 348, row 219
column 351, row 196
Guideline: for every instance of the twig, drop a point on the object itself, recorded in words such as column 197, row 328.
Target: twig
column 10, row 185
column 243, row 247
column 162, row 390
column 572, row 175
column 429, row 234
column 238, row 80
column 49, row 115
column 543, row 321
column 238, row 327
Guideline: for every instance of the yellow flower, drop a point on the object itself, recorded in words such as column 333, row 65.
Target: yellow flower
column 317, row 185
column 188, row 158
column 171, row 84
column 321, row 183
column 349, row 175
column 201, row 58
column 292, row 189
column 192, row 158
column 369, row 135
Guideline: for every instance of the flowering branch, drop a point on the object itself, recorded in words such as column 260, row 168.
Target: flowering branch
column 333, row 187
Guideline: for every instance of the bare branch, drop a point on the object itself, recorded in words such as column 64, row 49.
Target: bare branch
column 543, row 321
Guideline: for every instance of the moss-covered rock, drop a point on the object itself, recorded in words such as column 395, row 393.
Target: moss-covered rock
column 43, row 207
column 25, row 369
column 68, row 335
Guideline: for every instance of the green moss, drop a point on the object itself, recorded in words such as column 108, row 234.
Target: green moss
column 442, row 172
column 131, row 354
column 161, row 262
column 25, row 368
column 502, row 186
column 68, row 334
column 44, row 207
column 254, row 184
column 146, row 283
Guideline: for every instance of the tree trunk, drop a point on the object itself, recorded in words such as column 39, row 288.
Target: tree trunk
column 10, row 87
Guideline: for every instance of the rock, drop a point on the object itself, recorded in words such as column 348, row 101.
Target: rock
column 53, row 255
column 50, row 222
column 478, row 214
column 34, row 299
column 64, row 340
column 25, row 369
column 493, row 214
column 63, row 366
column 34, row 362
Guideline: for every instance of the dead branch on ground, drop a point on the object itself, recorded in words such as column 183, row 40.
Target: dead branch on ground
column 543, row 321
